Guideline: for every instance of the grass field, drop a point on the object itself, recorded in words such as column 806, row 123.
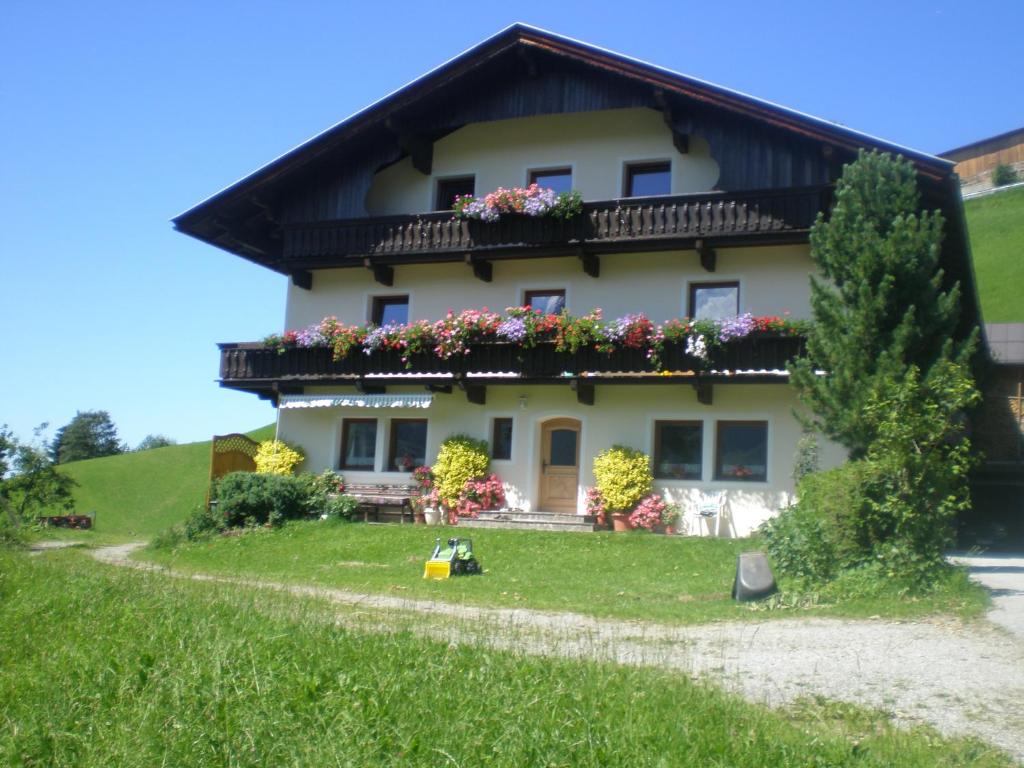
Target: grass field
column 996, row 225
column 105, row 666
column 136, row 495
column 630, row 576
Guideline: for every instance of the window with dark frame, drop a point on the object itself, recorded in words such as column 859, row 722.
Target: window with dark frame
column 407, row 446
column 390, row 309
column 501, row 439
column 358, row 444
column 449, row 189
column 741, row 451
column 548, row 301
column 558, row 179
column 713, row 301
column 646, row 179
column 678, row 450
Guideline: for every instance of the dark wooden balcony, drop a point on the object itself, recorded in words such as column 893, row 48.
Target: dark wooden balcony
column 757, row 358
column 636, row 224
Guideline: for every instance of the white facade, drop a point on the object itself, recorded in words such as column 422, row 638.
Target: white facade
column 773, row 280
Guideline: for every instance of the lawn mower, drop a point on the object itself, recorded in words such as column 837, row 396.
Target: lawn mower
column 455, row 559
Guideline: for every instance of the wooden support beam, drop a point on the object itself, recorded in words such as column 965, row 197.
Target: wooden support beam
column 482, row 269
column 529, row 60
column 679, row 140
column 382, row 273
column 584, row 391
column 475, row 393
column 708, row 257
column 302, row 278
column 369, row 389
column 705, row 393
column 591, row 264
column 419, row 149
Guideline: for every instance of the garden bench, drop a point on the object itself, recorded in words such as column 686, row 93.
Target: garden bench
column 81, row 522
column 373, row 496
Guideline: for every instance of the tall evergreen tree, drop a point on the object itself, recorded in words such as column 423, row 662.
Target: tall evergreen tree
column 89, row 435
column 880, row 308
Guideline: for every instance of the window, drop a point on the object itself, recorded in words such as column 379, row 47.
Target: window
column 643, row 179
column 678, row 450
column 550, row 302
column 713, row 301
column 501, row 439
column 390, row 309
column 407, row 448
column 741, row 451
column 449, row 189
column 558, row 179
column 358, row 444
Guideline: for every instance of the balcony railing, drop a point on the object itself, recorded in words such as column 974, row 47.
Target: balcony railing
column 246, row 364
column 650, row 223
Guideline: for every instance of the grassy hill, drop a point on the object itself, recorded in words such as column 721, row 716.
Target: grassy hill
column 136, row 495
column 996, row 224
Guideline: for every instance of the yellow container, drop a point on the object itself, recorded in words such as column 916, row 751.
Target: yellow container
column 437, row 569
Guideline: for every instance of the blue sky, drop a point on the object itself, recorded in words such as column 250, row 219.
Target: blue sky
column 117, row 116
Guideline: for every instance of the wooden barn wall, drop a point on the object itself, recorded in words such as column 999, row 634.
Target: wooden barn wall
column 750, row 155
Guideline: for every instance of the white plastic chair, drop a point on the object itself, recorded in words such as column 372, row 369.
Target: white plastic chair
column 710, row 509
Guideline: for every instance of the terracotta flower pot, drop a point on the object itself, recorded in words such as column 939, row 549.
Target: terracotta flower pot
column 670, row 530
column 419, row 518
column 620, row 523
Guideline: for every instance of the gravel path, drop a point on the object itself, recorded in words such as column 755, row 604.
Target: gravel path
column 1003, row 574
column 961, row 678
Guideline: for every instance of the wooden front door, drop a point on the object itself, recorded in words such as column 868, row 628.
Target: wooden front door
column 560, row 465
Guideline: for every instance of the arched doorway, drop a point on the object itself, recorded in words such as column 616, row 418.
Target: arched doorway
column 559, row 465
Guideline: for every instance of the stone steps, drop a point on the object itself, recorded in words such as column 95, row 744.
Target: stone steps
column 531, row 521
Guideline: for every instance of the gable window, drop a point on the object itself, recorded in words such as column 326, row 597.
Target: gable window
column 558, row 179
column 358, row 444
column 645, row 179
column 741, row 451
column 407, row 448
column 390, row 309
column 501, row 439
column 548, row 301
column 714, row 301
column 449, row 189
column 678, row 449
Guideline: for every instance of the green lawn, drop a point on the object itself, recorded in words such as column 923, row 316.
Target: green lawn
column 105, row 666
column 630, row 576
column 996, row 225
column 136, row 495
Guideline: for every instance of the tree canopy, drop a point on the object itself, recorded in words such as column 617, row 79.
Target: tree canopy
column 89, row 435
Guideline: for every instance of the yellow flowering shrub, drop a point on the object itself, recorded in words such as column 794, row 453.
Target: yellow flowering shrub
column 461, row 457
column 275, row 457
column 623, row 477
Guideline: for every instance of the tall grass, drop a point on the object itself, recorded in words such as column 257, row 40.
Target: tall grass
column 105, row 667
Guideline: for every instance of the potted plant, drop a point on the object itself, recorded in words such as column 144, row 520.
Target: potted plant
column 670, row 517
column 423, row 505
column 595, row 507
column 623, row 478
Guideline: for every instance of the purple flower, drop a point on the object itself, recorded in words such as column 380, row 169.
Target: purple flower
column 513, row 329
column 735, row 327
column 311, row 337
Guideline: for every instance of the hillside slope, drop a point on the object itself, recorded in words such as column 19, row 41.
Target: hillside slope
column 996, row 226
column 136, row 495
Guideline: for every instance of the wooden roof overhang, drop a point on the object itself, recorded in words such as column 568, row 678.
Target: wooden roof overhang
column 242, row 218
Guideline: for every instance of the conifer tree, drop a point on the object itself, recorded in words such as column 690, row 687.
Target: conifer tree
column 880, row 307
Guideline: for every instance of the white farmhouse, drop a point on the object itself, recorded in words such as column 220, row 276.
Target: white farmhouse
column 697, row 202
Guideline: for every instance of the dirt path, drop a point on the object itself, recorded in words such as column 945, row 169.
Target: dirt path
column 963, row 679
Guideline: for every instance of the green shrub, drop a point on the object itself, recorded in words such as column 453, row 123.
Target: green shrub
column 169, row 538
column 341, row 506
column 203, row 522
column 825, row 531
column 623, row 477
column 1003, row 174
column 460, row 458
column 249, row 498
